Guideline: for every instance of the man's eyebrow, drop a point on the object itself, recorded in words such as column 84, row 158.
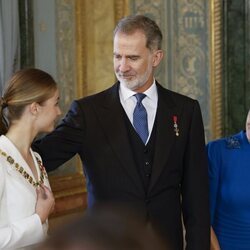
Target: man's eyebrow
column 133, row 56
column 127, row 56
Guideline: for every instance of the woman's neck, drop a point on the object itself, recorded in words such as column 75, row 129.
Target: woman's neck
column 21, row 135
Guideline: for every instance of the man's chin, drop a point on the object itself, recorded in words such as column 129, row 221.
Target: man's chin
column 130, row 85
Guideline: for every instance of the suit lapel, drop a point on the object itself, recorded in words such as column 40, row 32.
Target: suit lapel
column 165, row 135
column 112, row 120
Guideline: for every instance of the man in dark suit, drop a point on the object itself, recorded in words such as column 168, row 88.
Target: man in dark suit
column 140, row 144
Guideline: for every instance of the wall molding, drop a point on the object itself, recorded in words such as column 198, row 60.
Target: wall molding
column 216, row 105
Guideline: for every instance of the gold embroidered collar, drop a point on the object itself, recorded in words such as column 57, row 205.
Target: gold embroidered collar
column 26, row 175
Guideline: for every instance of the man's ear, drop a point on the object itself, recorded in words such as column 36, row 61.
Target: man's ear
column 34, row 108
column 157, row 57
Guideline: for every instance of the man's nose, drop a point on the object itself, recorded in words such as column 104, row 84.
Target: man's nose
column 124, row 66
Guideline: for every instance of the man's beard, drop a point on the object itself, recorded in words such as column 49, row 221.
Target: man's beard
column 136, row 83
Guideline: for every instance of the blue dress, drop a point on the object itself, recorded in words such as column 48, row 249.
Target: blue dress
column 229, row 174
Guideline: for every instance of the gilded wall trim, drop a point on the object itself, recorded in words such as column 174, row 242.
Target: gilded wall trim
column 81, row 60
column 121, row 9
column 216, row 68
column 95, row 21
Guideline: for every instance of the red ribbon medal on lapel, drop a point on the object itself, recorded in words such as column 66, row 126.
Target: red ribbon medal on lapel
column 176, row 130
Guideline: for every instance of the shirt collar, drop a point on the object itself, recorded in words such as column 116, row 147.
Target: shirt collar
column 151, row 93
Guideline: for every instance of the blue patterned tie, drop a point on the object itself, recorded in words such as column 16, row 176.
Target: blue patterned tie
column 140, row 120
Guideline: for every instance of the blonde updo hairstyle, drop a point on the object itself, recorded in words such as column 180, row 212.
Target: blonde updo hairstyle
column 25, row 87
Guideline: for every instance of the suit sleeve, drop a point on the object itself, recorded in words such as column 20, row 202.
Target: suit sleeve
column 195, row 192
column 24, row 232
column 64, row 142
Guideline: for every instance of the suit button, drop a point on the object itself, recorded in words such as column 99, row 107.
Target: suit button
column 146, row 163
column 147, row 201
column 147, row 175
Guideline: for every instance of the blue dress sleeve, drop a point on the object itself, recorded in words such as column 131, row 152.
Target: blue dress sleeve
column 214, row 165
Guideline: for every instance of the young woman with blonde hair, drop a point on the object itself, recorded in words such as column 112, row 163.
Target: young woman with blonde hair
column 29, row 105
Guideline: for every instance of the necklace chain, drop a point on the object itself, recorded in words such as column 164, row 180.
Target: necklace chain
column 26, row 175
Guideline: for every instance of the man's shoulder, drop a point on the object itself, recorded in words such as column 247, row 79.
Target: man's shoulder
column 175, row 96
column 98, row 96
column 98, row 99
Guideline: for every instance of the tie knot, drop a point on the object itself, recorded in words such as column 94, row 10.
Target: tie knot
column 140, row 97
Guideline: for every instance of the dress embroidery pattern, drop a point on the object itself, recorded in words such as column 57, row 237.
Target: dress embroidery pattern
column 233, row 142
column 26, row 175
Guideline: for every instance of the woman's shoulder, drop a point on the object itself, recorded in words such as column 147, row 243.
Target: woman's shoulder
column 229, row 142
column 216, row 145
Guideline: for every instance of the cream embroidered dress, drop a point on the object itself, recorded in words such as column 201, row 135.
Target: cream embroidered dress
column 20, row 226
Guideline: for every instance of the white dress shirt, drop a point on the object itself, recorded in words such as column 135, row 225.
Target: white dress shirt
column 20, row 226
column 128, row 101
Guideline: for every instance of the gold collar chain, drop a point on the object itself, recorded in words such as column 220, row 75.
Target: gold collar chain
column 21, row 170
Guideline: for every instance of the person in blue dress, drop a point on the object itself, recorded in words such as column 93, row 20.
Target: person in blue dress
column 229, row 176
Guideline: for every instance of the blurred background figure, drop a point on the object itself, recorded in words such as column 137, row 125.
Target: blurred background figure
column 229, row 173
column 106, row 228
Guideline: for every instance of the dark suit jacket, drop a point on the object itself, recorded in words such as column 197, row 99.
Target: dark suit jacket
column 94, row 128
